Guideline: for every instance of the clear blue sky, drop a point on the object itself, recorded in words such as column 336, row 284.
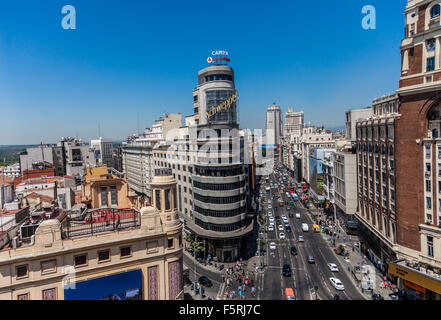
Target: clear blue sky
column 140, row 58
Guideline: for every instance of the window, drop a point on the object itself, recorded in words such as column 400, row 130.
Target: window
column 430, row 64
column 126, row 251
column 103, row 196
column 49, row 266
column 22, row 271
column 50, row 294
column 428, row 167
column 430, row 246
column 104, row 256
column 158, row 199
column 170, row 243
column 429, row 203
column 113, row 195
column 167, row 200
column 428, row 186
column 80, row 260
column 434, row 12
column 24, row 296
column 427, row 151
column 430, row 45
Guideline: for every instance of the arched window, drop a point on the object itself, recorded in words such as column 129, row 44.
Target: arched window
column 435, row 11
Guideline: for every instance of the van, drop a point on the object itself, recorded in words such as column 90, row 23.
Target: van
column 305, row 227
column 316, row 228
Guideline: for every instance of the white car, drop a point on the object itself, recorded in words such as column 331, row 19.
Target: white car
column 272, row 246
column 271, row 227
column 298, row 215
column 270, row 207
column 284, row 218
column 281, row 235
column 301, row 239
column 271, row 219
column 333, row 267
column 280, row 227
column 336, row 283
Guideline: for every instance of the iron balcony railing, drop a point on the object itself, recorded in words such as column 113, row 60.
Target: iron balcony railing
column 99, row 221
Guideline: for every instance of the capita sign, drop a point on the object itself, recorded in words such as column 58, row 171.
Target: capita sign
column 218, row 57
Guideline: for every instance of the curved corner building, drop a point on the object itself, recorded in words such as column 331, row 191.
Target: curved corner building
column 220, row 177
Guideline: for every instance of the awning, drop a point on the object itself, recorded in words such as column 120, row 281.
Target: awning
column 415, row 277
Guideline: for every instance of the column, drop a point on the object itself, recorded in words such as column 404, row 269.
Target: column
column 437, row 53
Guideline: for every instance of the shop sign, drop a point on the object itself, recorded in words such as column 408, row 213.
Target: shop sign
column 223, row 106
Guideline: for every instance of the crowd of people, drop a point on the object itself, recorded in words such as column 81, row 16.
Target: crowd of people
column 238, row 278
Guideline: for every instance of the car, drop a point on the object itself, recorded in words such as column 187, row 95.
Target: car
column 293, row 250
column 281, row 235
column 301, row 239
column 286, row 270
column 280, row 227
column 270, row 214
column 270, row 207
column 291, row 215
column 305, row 227
column 311, row 259
column 336, row 283
column 297, row 215
column 273, row 246
column 205, row 281
column 288, row 229
column 271, row 219
column 271, row 227
column 284, row 217
column 288, row 208
column 333, row 267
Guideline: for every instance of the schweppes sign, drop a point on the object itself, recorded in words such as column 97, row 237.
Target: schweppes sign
column 223, row 106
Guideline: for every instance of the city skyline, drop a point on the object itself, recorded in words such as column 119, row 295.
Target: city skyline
column 118, row 76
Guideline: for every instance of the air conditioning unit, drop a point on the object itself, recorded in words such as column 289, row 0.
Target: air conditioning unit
column 427, row 174
column 428, row 221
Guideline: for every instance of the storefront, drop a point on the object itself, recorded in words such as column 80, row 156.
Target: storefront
column 417, row 285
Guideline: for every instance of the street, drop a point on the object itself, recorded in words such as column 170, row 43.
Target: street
column 306, row 277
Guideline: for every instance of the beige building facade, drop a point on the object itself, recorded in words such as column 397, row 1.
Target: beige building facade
column 72, row 254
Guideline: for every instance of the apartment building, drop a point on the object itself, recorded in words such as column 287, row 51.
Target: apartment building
column 418, row 153
column 377, row 212
column 105, row 254
column 103, row 150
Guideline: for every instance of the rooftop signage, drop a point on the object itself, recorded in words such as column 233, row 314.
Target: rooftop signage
column 218, row 57
column 223, row 106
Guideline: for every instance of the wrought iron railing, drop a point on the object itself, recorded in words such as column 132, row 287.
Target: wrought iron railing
column 99, row 221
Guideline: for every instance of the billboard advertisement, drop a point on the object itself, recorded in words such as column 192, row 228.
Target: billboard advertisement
column 121, row 286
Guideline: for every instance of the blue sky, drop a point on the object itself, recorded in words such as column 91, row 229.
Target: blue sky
column 133, row 58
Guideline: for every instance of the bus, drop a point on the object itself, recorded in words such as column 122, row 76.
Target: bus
column 316, row 228
column 289, row 294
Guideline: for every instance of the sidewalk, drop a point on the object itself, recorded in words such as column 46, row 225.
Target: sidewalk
column 353, row 261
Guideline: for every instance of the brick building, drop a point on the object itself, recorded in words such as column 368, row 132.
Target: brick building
column 418, row 153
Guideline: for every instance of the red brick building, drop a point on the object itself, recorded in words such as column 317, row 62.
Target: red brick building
column 418, row 153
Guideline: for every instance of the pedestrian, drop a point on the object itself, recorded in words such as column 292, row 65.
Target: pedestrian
column 240, row 294
column 253, row 291
column 239, row 288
